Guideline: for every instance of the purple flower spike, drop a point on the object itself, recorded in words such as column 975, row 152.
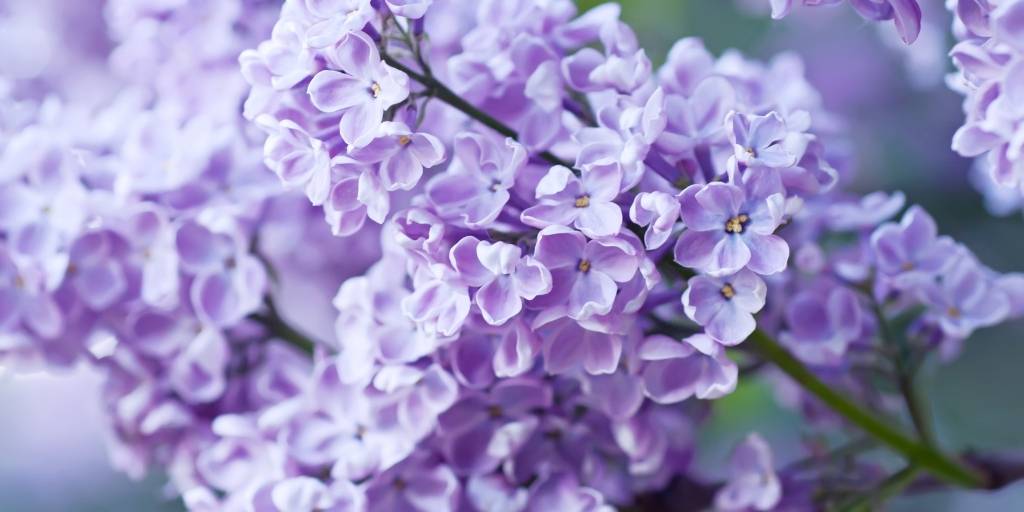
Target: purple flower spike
column 657, row 210
column 911, row 252
column 753, row 484
column 676, row 370
column 503, row 276
column 588, row 203
column 588, row 272
column 965, row 299
column 759, row 140
column 476, row 185
column 822, row 324
column 725, row 306
column 363, row 89
column 729, row 228
column 402, row 154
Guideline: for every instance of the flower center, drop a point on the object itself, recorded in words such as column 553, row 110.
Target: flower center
column 953, row 312
column 582, row 201
column 728, row 291
column 737, row 224
column 494, row 411
column 375, row 89
column 584, row 266
column 907, row 266
column 750, row 152
column 399, row 484
column 404, row 140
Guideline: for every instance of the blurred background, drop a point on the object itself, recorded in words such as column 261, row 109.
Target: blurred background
column 901, row 117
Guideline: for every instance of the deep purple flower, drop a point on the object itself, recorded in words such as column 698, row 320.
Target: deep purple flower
column 725, row 306
column 586, row 203
column 586, row 273
column 822, row 323
column 504, row 277
column 695, row 366
column 363, row 89
column 729, row 228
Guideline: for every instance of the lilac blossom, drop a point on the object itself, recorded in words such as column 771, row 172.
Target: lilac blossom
column 822, row 324
column 363, row 89
column 676, row 370
column 587, row 203
column 753, row 483
column 478, row 183
column 503, row 276
column 731, row 227
column 726, row 305
column 659, row 212
column 912, row 251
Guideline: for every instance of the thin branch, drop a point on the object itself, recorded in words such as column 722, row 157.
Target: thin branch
column 279, row 328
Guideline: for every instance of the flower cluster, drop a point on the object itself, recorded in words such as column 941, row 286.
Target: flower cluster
column 498, row 260
column 905, row 14
column 990, row 61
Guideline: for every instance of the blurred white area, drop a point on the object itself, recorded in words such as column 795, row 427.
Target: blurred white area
column 52, row 441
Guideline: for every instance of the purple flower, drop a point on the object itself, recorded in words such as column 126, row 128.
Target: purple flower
column 752, row 483
column 415, row 484
column 725, row 306
column 503, row 276
column 588, row 203
column 334, row 19
column 911, row 252
column 760, row 140
column 475, row 187
column 363, row 89
column 401, row 153
column 868, row 212
column 729, row 228
column 657, row 210
column 413, row 9
column 586, row 273
column 482, row 430
column 297, row 159
column 697, row 120
column 197, row 374
column 822, row 323
column 964, row 299
column 439, row 303
column 568, row 346
column 676, row 370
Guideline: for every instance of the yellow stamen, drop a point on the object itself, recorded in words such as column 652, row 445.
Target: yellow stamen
column 907, row 266
column 404, row 140
column 728, row 291
column 584, row 266
column 737, row 223
column 953, row 312
column 582, row 201
column 375, row 89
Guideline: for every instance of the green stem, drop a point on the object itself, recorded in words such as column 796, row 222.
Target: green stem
column 279, row 328
column 935, row 462
column 443, row 93
column 904, row 378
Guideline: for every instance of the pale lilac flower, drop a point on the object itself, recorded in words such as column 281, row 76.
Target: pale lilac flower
column 659, row 211
column 401, row 153
column 695, row 366
column 504, row 277
column 586, row 203
column 964, row 299
column 197, row 374
column 413, row 9
column 587, row 273
column 752, row 483
column 439, row 303
column 725, row 306
column 760, row 140
column 729, row 228
column 912, row 251
column 699, row 119
column 361, row 91
column 867, row 212
column 569, row 347
column 298, row 159
column 334, row 19
column 476, row 186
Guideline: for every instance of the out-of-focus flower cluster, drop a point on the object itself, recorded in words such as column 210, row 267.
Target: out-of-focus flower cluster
column 544, row 255
column 990, row 63
column 905, row 14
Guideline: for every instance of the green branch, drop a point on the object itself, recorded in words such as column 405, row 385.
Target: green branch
column 918, row 454
column 280, row 329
